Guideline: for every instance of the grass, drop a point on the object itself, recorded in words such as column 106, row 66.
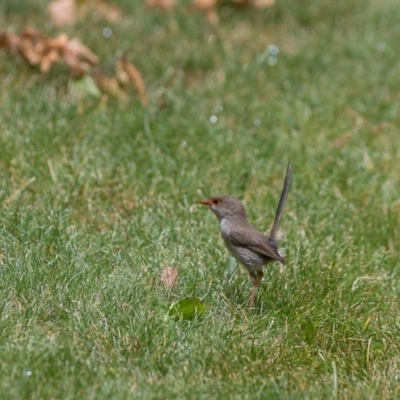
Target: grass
column 98, row 197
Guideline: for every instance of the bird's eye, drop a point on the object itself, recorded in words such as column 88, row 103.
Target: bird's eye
column 215, row 201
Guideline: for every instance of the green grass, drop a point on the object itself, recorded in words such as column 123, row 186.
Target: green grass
column 98, row 197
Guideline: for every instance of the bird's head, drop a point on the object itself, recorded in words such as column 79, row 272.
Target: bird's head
column 225, row 206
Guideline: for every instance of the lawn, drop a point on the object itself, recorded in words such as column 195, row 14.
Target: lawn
column 99, row 197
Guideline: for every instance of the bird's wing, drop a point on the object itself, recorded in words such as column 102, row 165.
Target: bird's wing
column 256, row 242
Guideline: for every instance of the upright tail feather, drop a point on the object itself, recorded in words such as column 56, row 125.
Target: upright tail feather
column 282, row 201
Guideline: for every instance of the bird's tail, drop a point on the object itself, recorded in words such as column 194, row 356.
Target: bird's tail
column 279, row 211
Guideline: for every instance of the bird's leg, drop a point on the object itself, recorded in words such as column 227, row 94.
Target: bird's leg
column 256, row 277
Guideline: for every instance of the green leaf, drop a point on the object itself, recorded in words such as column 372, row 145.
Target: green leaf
column 231, row 268
column 187, row 309
column 85, row 86
column 308, row 329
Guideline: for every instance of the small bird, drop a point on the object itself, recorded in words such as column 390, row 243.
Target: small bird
column 249, row 246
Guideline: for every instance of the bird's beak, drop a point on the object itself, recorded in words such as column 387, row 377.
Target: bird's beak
column 205, row 202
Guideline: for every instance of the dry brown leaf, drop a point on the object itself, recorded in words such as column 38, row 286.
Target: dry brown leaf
column 122, row 75
column 9, row 42
column 34, row 47
column 204, row 4
column 110, row 13
column 164, row 4
column 79, row 57
column 31, row 46
column 263, row 3
column 53, row 52
column 38, row 50
column 67, row 12
column 127, row 71
column 169, row 276
column 51, row 57
column 62, row 12
column 59, row 42
column 109, row 86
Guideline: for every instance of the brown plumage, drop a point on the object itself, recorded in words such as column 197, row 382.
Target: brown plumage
column 249, row 246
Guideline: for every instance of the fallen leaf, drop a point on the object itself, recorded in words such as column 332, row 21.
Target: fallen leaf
column 165, row 4
column 38, row 50
column 204, row 4
column 308, row 329
column 59, row 42
column 128, row 70
column 169, row 276
column 85, row 86
column 263, row 3
column 109, row 86
column 51, row 57
column 62, row 12
column 79, row 57
column 10, row 42
column 110, row 13
column 231, row 268
column 187, row 309
column 32, row 46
